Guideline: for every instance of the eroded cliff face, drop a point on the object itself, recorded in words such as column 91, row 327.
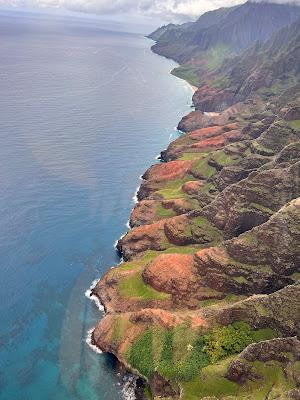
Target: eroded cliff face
column 207, row 301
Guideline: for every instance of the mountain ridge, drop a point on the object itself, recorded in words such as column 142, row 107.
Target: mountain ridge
column 236, row 27
column 206, row 301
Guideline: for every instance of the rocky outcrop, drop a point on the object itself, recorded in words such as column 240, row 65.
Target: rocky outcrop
column 279, row 310
column 285, row 351
column 244, row 205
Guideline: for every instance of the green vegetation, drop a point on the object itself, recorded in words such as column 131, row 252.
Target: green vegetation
column 179, row 354
column 278, row 87
column 273, row 377
column 187, row 367
column 211, row 382
column 134, row 265
column 205, row 232
column 263, row 334
column 148, row 392
column 192, row 249
column 216, row 55
column 295, row 124
column 202, row 167
column 176, row 354
column 164, row 212
column 264, row 151
column 240, row 279
column 221, row 82
column 230, row 298
column 189, row 74
column 141, row 355
column 262, row 208
column 190, row 156
column 121, row 326
column 208, row 188
column 223, row 158
column 227, row 340
column 173, row 189
column 134, row 286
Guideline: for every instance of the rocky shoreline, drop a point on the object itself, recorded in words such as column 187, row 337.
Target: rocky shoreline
column 206, row 301
column 205, row 244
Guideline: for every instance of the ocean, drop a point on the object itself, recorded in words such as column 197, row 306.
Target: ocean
column 83, row 112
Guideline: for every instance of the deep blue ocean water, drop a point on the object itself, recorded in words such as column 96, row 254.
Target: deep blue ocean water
column 83, row 112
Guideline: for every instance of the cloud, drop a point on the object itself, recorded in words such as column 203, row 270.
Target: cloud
column 168, row 10
column 165, row 9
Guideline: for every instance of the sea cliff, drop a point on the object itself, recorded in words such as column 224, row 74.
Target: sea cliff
column 206, row 303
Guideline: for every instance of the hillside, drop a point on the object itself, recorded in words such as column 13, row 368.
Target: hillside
column 203, row 45
column 206, row 302
column 265, row 69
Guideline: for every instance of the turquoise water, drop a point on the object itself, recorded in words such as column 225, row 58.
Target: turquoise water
column 84, row 112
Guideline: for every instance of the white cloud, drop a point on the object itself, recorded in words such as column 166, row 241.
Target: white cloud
column 165, row 9
column 169, row 10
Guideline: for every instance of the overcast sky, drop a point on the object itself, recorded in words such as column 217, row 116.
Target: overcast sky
column 151, row 10
column 165, row 10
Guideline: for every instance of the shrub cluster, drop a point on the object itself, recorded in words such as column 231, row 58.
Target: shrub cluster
column 227, row 340
column 141, row 354
column 220, row 343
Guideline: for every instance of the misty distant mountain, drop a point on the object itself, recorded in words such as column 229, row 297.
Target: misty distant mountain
column 230, row 30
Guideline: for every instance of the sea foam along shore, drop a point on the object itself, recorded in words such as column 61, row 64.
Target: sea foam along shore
column 129, row 386
column 89, row 294
column 89, row 341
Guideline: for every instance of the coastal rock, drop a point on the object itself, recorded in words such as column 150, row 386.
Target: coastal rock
column 275, row 243
column 192, row 187
column 121, row 290
column 259, row 261
column 275, row 138
column 162, row 388
column 250, row 202
column 205, row 139
column 159, row 175
column 168, row 171
column 177, row 230
column 144, row 213
column 221, row 113
column 285, row 351
column 264, row 311
column 143, row 238
column 292, row 113
column 171, row 273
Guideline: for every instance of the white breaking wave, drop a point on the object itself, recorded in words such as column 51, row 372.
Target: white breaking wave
column 116, row 242
column 89, row 294
column 89, row 342
column 129, row 387
column 135, row 198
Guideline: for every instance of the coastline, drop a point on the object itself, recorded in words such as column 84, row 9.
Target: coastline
column 168, row 227
column 130, row 377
